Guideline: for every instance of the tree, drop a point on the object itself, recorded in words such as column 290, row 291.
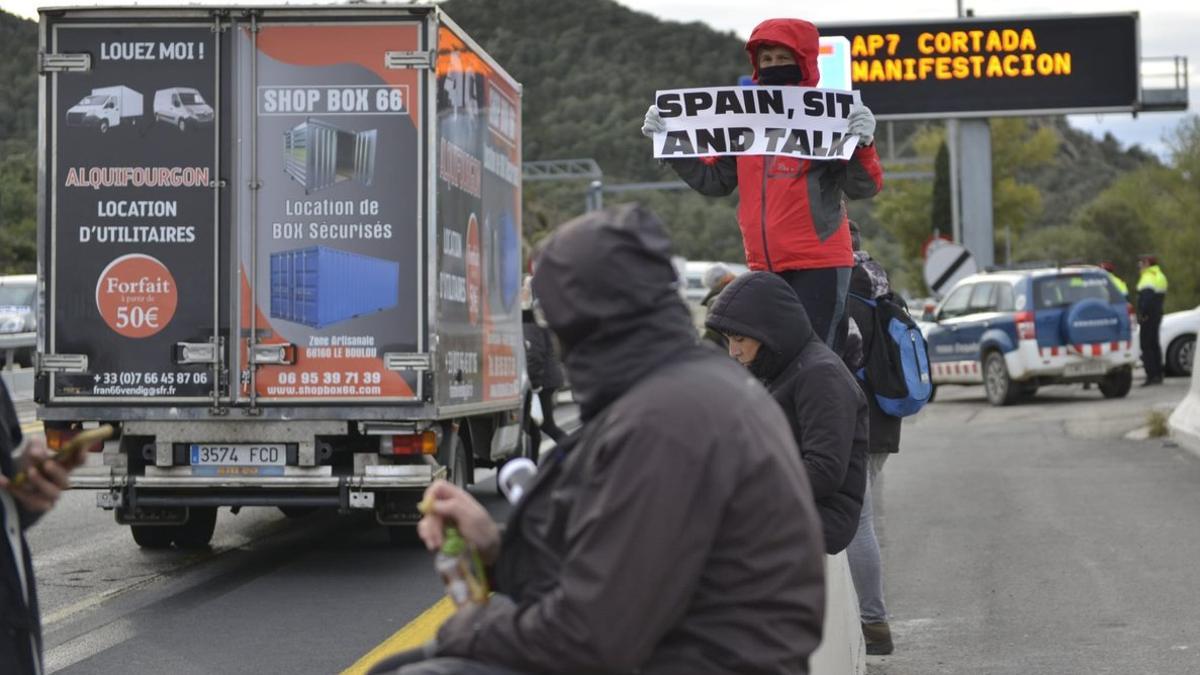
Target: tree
column 1154, row 209
column 1018, row 145
column 942, row 218
column 903, row 209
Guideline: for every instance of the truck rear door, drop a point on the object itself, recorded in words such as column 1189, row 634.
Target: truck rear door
column 332, row 263
column 132, row 297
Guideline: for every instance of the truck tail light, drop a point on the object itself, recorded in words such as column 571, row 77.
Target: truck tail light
column 1026, row 328
column 424, row 443
column 1132, row 315
column 57, row 438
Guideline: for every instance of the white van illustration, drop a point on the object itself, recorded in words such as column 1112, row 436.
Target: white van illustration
column 182, row 107
column 106, row 107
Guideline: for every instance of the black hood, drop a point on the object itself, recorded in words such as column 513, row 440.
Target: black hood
column 608, row 290
column 763, row 306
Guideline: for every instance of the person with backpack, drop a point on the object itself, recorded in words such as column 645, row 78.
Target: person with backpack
column 868, row 279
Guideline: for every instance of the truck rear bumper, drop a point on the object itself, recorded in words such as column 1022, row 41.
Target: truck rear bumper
column 396, row 478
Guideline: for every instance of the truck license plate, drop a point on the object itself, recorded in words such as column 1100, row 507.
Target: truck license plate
column 1084, row 368
column 246, row 459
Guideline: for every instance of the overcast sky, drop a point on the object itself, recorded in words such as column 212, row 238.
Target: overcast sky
column 1168, row 28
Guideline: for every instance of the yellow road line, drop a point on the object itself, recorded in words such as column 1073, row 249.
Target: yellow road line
column 32, row 427
column 419, row 631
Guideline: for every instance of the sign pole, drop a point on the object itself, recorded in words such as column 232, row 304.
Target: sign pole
column 975, row 181
column 955, row 164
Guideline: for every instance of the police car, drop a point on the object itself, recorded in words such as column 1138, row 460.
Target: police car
column 1016, row 330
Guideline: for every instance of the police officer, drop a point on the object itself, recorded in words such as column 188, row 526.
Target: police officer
column 1117, row 281
column 1151, row 294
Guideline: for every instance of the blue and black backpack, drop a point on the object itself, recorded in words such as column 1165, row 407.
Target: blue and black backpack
column 896, row 363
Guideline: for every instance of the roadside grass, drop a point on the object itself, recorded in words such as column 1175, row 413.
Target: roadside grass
column 1156, row 423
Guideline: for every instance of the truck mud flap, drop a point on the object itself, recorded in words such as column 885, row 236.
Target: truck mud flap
column 398, row 507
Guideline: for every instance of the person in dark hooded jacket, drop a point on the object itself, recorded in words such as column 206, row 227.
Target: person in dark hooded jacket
column 791, row 211
column 20, row 508
column 675, row 531
column 545, row 376
column 769, row 333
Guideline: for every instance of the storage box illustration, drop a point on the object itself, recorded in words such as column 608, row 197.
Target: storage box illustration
column 318, row 155
column 320, row 286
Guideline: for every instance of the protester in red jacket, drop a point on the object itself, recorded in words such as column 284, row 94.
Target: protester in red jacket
column 791, row 211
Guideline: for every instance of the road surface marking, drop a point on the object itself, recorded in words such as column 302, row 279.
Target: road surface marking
column 419, row 631
column 32, row 427
column 88, row 645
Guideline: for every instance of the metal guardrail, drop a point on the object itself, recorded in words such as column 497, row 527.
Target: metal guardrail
column 11, row 342
column 561, row 169
column 1164, row 83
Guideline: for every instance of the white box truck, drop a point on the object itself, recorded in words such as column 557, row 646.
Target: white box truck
column 106, row 107
column 167, row 310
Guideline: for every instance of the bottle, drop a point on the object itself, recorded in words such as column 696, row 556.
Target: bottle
column 461, row 570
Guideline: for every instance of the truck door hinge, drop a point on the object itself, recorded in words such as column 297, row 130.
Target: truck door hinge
column 423, row 60
column 195, row 352
column 401, row 361
column 273, row 354
column 64, row 63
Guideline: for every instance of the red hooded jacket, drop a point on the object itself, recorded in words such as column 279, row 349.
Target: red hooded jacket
column 791, row 211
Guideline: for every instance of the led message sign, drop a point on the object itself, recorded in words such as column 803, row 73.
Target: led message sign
column 984, row 67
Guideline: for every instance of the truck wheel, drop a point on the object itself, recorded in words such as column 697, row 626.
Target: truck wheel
column 996, row 382
column 198, row 530
column 103, row 126
column 182, row 124
column 152, row 537
column 1117, row 383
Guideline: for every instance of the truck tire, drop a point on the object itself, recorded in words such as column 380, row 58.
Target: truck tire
column 153, row 537
column 198, row 530
column 1000, row 388
column 103, row 126
column 183, row 125
column 1117, row 383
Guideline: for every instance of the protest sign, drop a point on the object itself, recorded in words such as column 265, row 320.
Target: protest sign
column 800, row 122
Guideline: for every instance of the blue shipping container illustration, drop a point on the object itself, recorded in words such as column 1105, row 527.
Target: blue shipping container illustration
column 320, row 286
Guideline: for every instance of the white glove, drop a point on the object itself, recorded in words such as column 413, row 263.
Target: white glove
column 861, row 123
column 654, row 123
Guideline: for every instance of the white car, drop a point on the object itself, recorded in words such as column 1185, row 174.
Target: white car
column 1178, row 339
column 694, row 289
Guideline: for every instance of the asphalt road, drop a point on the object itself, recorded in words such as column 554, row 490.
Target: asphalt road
column 1031, row 539
column 1037, row 539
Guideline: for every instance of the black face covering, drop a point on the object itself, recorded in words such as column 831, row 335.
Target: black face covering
column 774, row 76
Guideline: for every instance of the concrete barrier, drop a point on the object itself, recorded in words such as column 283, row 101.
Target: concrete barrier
column 1185, row 421
column 842, row 651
